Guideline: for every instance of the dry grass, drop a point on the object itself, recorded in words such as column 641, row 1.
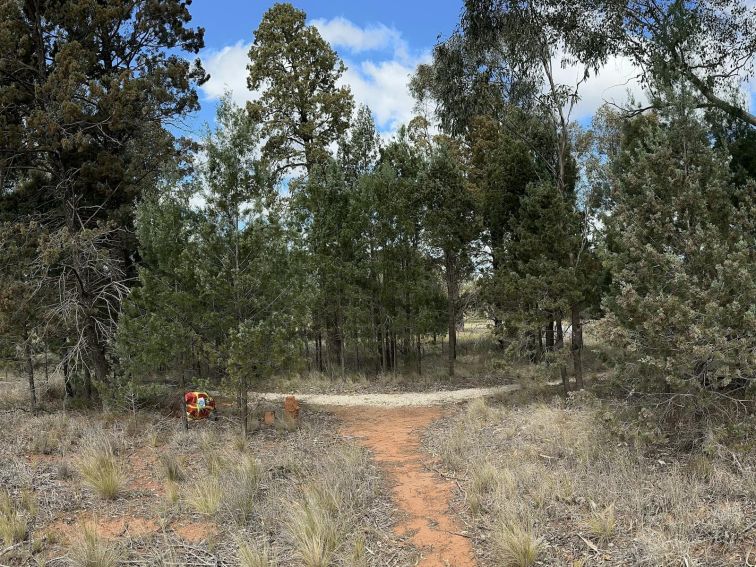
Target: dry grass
column 323, row 520
column 225, row 490
column 205, row 495
column 602, row 524
column 484, row 480
column 15, row 517
column 172, row 469
column 172, row 493
column 240, row 485
column 92, row 550
column 314, row 528
column 254, row 556
column 101, row 469
column 553, row 466
column 516, row 545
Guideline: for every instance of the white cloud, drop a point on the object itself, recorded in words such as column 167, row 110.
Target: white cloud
column 616, row 82
column 382, row 83
column 228, row 72
column 384, row 87
column 342, row 33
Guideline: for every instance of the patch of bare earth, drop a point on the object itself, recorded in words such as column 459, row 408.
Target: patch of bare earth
column 393, row 435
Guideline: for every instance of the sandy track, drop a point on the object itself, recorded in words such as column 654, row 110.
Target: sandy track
column 404, row 399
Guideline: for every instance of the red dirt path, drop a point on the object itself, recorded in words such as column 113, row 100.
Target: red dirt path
column 393, row 435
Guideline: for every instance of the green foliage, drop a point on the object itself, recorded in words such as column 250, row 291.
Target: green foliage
column 301, row 107
column 86, row 90
column 680, row 244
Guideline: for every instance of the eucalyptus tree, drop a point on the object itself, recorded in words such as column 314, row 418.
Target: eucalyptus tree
column 508, row 52
column 709, row 45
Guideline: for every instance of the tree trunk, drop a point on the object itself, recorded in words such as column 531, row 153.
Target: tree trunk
column 565, row 379
column 550, row 336
column 319, row 351
column 577, row 346
column 559, row 343
column 243, row 403
column 341, row 352
column 184, row 418
column 419, row 356
column 67, row 381
column 451, row 289
column 87, row 382
column 307, row 353
column 99, row 360
column 382, row 339
column 30, row 373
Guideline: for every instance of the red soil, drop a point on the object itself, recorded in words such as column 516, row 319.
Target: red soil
column 393, row 435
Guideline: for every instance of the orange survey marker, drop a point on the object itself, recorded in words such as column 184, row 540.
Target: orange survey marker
column 199, row 405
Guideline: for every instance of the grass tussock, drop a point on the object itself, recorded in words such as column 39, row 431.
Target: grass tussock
column 172, row 493
column 324, row 518
column 229, row 492
column 15, row 516
column 240, row 486
column 602, row 524
column 556, row 465
column 171, row 466
column 92, row 550
column 101, row 470
column 516, row 545
column 205, row 495
column 314, row 528
column 251, row 555
column 484, row 480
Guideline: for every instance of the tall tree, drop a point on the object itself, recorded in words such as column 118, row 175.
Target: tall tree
column 243, row 283
column 451, row 226
column 680, row 244
column 302, row 108
column 86, row 91
column 709, row 45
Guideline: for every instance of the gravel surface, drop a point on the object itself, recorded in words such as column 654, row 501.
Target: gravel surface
column 391, row 400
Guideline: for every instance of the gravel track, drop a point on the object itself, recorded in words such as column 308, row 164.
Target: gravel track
column 404, row 399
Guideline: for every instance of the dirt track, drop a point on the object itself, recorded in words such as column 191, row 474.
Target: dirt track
column 393, row 435
column 392, row 426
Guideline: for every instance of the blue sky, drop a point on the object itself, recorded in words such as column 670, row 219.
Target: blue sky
column 381, row 42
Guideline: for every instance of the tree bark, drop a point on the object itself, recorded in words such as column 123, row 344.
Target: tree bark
column 565, row 379
column 419, row 356
column 559, row 343
column 67, row 381
column 550, row 336
column 184, row 419
column 319, row 351
column 97, row 355
column 451, row 289
column 30, row 374
column 577, row 346
column 87, row 382
column 244, row 405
